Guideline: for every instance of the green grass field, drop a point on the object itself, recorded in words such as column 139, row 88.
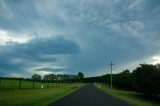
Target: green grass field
column 133, row 98
column 14, row 84
column 10, row 95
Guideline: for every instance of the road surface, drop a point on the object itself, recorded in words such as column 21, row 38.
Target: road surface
column 89, row 95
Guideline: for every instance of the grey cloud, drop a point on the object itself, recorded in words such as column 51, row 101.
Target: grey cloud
column 65, row 70
column 18, row 17
column 15, row 56
column 44, row 46
column 102, row 30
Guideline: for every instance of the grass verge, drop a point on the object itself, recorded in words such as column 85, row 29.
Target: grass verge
column 34, row 97
column 133, row 98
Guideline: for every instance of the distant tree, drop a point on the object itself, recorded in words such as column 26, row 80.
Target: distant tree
column 80, row 75
column 124, row 80
column 36, row 77
column 46, row 77
column 148, row 79
column 126, row 71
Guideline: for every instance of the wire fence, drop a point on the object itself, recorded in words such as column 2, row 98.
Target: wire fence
column 23, row 84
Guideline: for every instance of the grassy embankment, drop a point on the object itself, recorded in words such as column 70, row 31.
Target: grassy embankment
column 133, row 98
column 10, row 95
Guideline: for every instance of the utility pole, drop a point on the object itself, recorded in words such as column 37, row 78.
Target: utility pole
column 111, row 64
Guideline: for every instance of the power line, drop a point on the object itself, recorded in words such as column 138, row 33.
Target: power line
column 111, row 64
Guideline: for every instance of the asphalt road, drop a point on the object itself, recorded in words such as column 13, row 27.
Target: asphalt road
column 89, row 95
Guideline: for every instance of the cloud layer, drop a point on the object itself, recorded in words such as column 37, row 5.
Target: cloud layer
column 77, row 35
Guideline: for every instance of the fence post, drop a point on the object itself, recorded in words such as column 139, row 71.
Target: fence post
column 0, row 82
column 42, row 85
column 20, row 84
column 48, row 85
column 33, row 84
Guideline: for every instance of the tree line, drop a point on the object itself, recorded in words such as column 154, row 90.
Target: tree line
column 58, row 77
column 145, row 78
column 49, row 79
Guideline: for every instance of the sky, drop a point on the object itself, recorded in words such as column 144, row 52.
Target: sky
column 71, row 36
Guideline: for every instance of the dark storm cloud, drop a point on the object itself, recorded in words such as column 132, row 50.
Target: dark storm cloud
column 16, row 56
column 96, row 32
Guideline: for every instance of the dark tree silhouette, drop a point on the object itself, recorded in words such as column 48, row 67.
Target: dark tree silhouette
column 123, row 80
column 36, row 77
column 147, row 78
column 80, row 75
